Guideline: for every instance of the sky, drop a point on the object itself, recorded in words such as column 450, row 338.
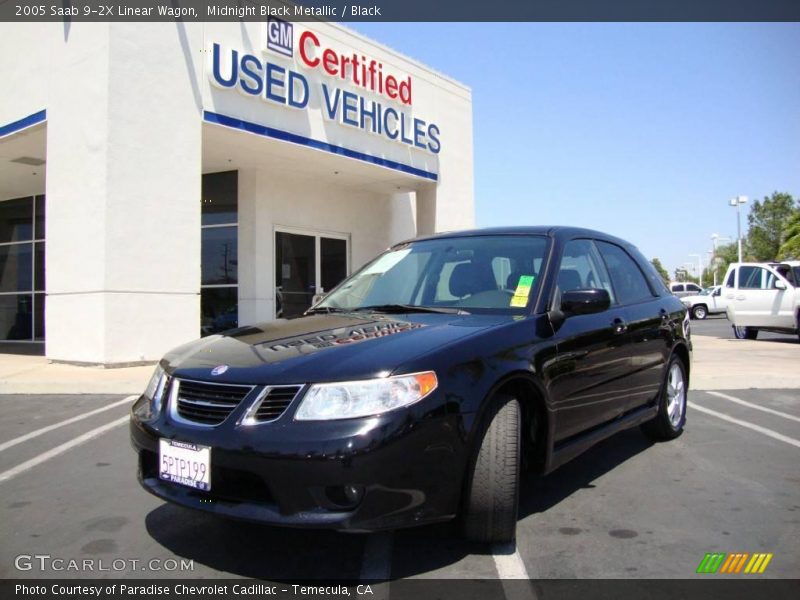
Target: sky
column 641, row 130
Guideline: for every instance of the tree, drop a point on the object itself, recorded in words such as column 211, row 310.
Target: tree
column 683, row 275
column 767, row 221
column 661, row 270
column 726, row 254
column 790, row 248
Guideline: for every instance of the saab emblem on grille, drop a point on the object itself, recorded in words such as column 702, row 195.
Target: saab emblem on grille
column 219, row 370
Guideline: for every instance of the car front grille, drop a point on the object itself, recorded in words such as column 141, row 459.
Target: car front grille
column 207, row 403
column 274, row 402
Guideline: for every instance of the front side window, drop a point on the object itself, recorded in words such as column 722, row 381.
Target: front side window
column 582, row 268
column 476, row 274
column 693, row 288
column 629, row 282
column 755, row 278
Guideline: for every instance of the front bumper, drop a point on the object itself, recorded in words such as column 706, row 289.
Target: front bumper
column 408, row 466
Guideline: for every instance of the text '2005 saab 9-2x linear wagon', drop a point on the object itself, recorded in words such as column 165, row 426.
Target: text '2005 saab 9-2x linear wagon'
column 416, row 389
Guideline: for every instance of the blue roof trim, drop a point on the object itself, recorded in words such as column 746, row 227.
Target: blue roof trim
column 23, row 123
column 278, row 134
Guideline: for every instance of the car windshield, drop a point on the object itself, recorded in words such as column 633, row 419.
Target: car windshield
column 497, row 273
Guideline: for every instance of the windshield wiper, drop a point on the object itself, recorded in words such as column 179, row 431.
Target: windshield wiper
column 410, row 308
column 324, row 310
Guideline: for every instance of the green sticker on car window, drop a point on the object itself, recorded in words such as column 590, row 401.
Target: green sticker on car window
column 523, row 291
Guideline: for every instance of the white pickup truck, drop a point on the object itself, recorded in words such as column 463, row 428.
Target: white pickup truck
column 710, row 301
column 763, row 296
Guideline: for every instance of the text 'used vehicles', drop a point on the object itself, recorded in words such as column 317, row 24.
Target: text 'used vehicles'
column 417, row 389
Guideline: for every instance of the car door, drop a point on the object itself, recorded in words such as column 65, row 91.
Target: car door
column 644, row 317
column 716, row 301
column 587, row 379
column 757, row 300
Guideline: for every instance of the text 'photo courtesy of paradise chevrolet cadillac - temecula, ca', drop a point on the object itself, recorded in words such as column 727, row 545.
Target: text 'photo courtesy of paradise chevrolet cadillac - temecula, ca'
column 417, row 389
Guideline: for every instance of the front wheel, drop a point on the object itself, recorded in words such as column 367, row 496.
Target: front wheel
column 745, row 333
column 700, row 312
column 671, row 417
column 490, row 506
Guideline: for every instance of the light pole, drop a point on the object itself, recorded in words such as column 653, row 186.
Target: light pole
column 715, row 239
column 699, row 267
column 690, row 269
column 737, row 202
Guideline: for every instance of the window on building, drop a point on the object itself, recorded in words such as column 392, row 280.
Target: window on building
column 22, row 252
column 219, row 263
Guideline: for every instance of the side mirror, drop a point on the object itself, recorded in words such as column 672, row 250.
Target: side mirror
column 779, row 285
column 585, row 302
column 718, row 292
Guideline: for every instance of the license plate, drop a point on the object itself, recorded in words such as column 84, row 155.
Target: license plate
column 185, row 463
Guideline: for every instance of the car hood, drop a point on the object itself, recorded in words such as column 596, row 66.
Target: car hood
column 333, row 347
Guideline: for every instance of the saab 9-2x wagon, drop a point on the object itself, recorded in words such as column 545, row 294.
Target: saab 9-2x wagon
column 415, row 390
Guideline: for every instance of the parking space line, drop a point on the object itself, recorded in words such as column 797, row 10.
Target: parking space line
column 45, row 456
column 755, row 406
column 510, row 567
column 753, row 426
column 43, row 430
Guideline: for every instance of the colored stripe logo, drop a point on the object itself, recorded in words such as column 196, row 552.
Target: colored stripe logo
column 735, row 562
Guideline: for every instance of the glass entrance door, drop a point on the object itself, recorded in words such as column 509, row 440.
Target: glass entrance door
column 306, row 264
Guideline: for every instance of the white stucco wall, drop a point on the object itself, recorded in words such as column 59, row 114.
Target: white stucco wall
column 270, row 201
column 124, row 138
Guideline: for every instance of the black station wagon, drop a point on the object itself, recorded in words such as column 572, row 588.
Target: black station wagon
column 413, row 392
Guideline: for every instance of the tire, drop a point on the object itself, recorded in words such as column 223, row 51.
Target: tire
column 492, row 493
column 699, row 312
column 745, row 333
column 671, row 418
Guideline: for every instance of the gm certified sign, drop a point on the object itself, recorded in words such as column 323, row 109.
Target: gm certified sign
column 280, row 36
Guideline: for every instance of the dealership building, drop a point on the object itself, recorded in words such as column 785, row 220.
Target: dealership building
column 163, row 181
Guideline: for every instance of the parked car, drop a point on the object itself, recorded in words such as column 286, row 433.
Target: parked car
column 415, row 390
column 708, row 302
column 763, row 296
column 681, row 289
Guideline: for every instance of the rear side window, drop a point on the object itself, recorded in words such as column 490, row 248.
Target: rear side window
column 656, row 283
column 626, row 276
column 677, row 288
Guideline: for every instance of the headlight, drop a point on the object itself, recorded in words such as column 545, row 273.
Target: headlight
column 149, row 404
column 349, row 399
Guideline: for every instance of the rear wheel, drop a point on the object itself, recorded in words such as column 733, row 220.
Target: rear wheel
column 668, row 423
column 699, row 312
column 492, row 496
column 745, row 333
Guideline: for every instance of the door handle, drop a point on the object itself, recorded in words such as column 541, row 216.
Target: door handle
column 619, row 326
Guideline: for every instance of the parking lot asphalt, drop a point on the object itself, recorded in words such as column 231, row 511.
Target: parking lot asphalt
column 625, row 509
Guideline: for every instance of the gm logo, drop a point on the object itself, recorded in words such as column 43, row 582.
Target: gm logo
column 279, row 36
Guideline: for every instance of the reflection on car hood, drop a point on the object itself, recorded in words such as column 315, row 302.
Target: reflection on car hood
column 331, row 347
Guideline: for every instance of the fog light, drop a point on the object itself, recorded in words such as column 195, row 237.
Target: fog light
column 345, row 496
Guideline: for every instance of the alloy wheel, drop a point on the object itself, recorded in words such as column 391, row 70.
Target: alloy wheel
column 676, row 395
